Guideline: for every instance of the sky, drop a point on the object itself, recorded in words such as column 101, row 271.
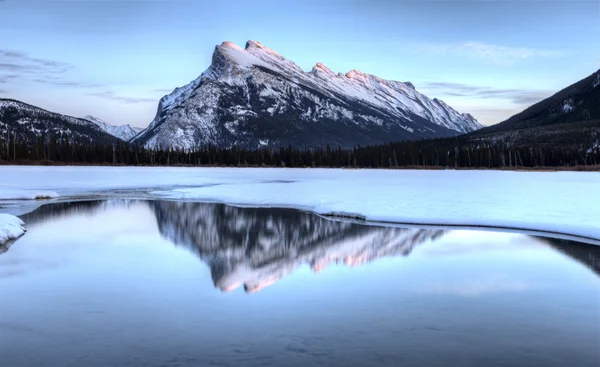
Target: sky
column 114, row 59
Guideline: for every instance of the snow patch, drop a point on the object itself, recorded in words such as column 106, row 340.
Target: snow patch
column 26, row 195
column 11, row 228
column 567, row 106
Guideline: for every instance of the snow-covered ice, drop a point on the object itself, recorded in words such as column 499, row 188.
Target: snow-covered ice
column 11, row 228
column 561, row 202
column 26, row 194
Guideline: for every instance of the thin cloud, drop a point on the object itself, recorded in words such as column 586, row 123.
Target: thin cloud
column 60, row 82
column 6, row 78
column 480, row 286
column 11, row 60
column 162, row 90
column 495, row 54
column 516, row 96
column 116, row 97
column 16, row 65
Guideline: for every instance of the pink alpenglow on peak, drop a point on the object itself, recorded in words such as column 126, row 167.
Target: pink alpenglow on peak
column 254, row 46
column 320, row 68
column 229, row 44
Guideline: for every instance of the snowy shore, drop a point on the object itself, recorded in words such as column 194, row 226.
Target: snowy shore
column 559, row 202
column 11, row 228
column 26, row 195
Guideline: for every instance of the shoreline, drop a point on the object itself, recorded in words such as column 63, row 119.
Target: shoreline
column 589, row 168
column 558, row 204
column 338, row 217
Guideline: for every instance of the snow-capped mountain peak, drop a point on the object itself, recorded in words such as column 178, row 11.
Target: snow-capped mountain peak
column 123, row 132
column 253, row 94
column 96, row 120
column 320, row 68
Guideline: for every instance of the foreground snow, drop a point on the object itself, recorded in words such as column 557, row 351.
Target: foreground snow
column 11, row 228
column 26, row 194
column 561, row 202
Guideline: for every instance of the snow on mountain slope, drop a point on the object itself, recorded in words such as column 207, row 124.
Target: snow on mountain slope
column 29, row 123
column 254, row 96
column 123, row 132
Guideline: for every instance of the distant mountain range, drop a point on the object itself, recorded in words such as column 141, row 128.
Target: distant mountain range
column 123, row 132
column 253, row 97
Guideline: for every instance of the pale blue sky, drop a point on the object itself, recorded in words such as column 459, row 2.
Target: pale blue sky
column 115, row 59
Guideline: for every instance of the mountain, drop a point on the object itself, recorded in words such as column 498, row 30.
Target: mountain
column 570, row 119
column 30, row 123
column 254, row 97
column 576, row 103
column 123, row 132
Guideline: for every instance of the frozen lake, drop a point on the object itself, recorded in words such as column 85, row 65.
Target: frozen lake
column 557, row 202
column 167, row 283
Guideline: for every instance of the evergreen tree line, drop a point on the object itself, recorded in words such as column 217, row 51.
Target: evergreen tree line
column 448, row 153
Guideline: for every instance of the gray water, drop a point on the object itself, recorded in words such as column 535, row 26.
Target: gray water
column 157, row 283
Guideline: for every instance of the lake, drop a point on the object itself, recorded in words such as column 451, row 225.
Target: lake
column 168, row 283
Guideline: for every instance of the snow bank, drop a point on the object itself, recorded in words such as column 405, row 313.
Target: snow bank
column 11, row 228
column 26, row 195
column 558, row 202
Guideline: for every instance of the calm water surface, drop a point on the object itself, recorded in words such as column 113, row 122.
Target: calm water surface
column 157, row 283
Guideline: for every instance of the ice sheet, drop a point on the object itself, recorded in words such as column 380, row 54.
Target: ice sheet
column 26, row 194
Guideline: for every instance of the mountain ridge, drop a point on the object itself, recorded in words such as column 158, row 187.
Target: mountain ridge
column 578, row 102
column 254, row 97
column 29, row 123
column 124, row 132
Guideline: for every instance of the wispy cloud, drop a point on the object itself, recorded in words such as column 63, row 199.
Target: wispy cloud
column 62, row 82
column 491, row 53
column 18, row 66
column 163, row 90
column 7, row 78
column 15, row 61
column 115, row 97
column 483, row 285
column 516, row 96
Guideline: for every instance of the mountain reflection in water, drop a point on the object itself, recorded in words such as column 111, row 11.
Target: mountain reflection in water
column 255, row 247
